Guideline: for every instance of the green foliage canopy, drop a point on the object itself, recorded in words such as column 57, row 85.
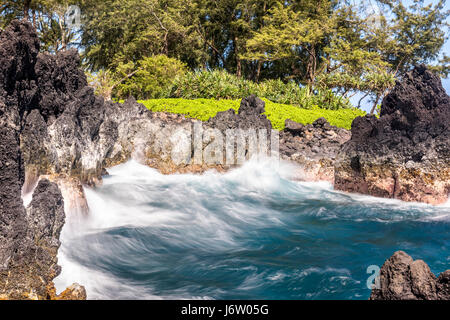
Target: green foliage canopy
column 321, row 44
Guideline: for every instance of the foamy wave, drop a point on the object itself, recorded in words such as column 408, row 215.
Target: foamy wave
column 140, row 218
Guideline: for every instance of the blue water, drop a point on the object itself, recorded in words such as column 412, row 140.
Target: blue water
column 249, row 234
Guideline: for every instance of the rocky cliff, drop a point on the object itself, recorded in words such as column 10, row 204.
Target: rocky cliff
column 402, row 278
column 29, row 237
column 405, row 154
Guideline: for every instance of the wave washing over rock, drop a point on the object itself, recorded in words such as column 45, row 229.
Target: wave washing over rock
column 250, row 233
column 53, row 128
column 58, row 136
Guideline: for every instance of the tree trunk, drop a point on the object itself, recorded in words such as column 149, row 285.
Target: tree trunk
column 34, row 19
column 63, row 35
column 311, row 67
column 238, row 61
column 360, row 100
column 260, row 63
column 375, row 104
column 258, row 71
column 238, row 68
column 26, row 9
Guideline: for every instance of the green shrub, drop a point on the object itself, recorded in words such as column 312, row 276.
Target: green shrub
column 203, row 109
column 102, row 82
column 215, row 84
column 219, row 84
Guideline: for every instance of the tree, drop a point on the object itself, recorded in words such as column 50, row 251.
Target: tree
column 225, row 27
column 415, row 35
column 292, row 34
column 324, row 44
column 353, row 62
column 16, row 9
column 346, row 52
column 409, row 36
column 118, row 31
column 48, row 18
column 56, row 31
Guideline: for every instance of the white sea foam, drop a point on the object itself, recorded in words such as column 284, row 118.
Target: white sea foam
column 26, row 198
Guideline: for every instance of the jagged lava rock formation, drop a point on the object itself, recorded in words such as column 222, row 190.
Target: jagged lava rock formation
column 405, row 154
column 250, row 115
column 54, row 128
column 402, row 278
column 29, row 237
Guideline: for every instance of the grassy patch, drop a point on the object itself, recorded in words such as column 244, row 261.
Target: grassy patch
column 203, row 109
column 278, row 113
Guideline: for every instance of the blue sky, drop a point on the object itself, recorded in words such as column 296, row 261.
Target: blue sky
column 446, row 82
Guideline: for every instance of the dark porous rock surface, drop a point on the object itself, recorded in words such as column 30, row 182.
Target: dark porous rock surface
column 250, row 115
column 58, row 78
column 313, row 147
column 33, row 265
column 29, row 238
column 405, row 154
column 402, row 278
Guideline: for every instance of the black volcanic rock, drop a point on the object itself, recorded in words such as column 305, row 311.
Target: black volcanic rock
column 443, row 285
column 252, row 105
column 12, row 212
column 402, row 278
column 16, row 92
column 404, row 154
column 58, row 78
column 53, row 125
column 33, row 266
column 18, row 54
column 46, row 213
column 419, row 97
column 29, row 239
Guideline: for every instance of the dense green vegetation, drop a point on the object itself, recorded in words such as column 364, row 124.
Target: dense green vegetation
column 151, row 78
column 278, row 113
column 203, row 109
column 222, row 85
column 218, row 85
column 332, row 49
